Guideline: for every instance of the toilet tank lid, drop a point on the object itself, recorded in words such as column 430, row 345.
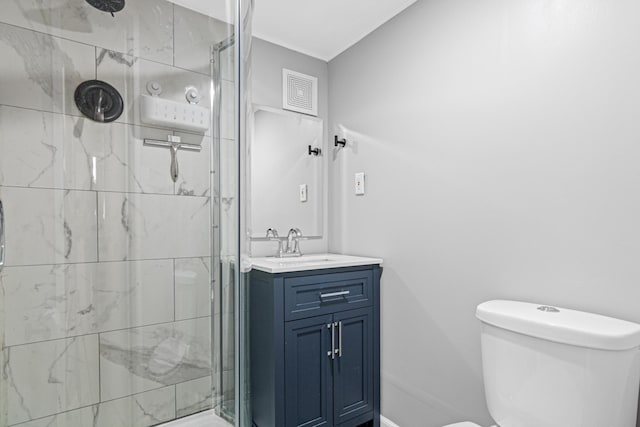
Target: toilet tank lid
column 561, row 325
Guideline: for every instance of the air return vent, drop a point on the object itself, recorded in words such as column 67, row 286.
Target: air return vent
column 299, row 92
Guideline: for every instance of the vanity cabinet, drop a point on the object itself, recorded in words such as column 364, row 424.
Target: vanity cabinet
column 315, row 348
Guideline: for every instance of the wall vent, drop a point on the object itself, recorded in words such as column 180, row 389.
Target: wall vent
column 299, row 92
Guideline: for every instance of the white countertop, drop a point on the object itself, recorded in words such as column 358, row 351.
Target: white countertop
column 274, row 264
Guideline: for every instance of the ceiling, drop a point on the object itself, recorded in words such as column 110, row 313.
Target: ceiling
column 320, row 28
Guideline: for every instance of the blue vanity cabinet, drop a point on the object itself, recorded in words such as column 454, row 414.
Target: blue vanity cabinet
column 307, row 375
column 315, row 347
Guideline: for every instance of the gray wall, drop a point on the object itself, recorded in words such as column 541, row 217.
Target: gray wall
column 268, row 60
column 500, row 143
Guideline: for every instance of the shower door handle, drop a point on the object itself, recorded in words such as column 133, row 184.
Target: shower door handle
column 2, row 230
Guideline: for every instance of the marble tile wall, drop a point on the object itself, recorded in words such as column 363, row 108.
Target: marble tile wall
column 105, row 300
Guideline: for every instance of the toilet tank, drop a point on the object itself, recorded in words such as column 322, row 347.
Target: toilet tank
column 554, row 367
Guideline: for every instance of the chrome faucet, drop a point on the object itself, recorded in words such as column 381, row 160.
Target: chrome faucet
column 293, row 243
column 292, row 247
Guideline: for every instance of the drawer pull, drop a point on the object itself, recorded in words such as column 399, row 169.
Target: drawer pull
column 335, row 294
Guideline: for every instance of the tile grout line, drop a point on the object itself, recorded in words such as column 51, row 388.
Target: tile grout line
column 106, row 401
column 193, row 196
column 97, row 229
column 104, row 261
column 175, row 400
column 173, row 34
column 170, row 322
column 123, row 123
column 110, row 50
column 99, row 370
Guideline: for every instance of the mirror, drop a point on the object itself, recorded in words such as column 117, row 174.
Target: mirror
column 280, row 165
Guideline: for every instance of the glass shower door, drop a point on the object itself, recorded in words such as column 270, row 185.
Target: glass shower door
column 111, row 302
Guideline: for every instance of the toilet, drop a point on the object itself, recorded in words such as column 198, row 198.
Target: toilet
column 553, row 367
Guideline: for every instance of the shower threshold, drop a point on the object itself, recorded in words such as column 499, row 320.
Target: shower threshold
column 201, row 419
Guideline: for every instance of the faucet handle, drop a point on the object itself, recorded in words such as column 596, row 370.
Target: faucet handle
column 295, row 232
column 272, row 233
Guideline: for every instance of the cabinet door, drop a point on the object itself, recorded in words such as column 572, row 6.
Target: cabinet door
column 353, row 366
column 308, row 385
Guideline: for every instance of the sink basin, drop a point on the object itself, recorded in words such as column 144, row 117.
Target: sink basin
column 302, row 259
column 309, row 262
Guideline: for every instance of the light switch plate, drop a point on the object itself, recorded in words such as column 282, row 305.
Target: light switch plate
column 303, row 192
column 359, row 183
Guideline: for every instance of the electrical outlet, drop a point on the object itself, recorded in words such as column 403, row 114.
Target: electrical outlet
column 359, row 183
column 303, row 192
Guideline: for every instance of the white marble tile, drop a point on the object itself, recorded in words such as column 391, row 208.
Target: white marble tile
column 194, row 178
column 143, row 226
column 140, row 410
column 48, row 150
column 195, row 35
column 215, row 270
column 140, row 359
column 193, row 288
column 31, row 148
column 130, row 76
column 144, row 28
column 114, row 158
column 228, row 110
column 227, row 64
column 50, row 377
column 82, row 417
column 49, row 226
column 46, row 80
column 194, row 396
column 228, row 198
column 65, row 300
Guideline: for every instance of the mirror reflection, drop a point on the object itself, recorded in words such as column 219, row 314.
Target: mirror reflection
column 286, row 172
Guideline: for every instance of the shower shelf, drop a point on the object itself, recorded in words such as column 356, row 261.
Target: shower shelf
column 165, row 112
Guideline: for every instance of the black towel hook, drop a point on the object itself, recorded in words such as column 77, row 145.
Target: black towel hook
column 315, row 151
column 341, row 142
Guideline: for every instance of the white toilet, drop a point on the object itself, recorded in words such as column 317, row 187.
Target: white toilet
column 549, row 367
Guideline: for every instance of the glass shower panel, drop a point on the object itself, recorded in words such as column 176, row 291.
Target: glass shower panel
column 110, row 295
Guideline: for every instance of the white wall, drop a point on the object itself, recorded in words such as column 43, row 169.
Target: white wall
column 501, row 143
column 268, row 60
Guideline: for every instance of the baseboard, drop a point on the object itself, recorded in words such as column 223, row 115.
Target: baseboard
column 386, row 422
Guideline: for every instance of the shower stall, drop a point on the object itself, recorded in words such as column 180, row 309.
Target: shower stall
column 122, row 281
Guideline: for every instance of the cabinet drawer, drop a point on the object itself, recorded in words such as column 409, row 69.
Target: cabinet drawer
column 327, row 293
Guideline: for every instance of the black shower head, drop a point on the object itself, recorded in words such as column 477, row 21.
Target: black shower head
column 110, row 6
